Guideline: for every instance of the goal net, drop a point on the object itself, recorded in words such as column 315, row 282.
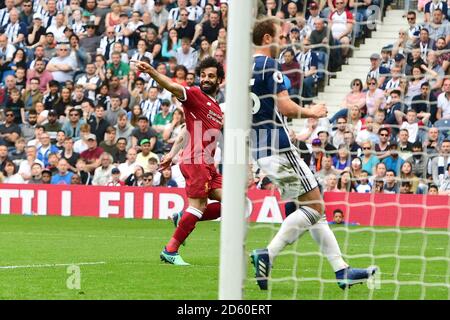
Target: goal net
column 381, row 157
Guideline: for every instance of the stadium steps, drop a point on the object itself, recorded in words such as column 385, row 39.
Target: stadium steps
column 358, row 66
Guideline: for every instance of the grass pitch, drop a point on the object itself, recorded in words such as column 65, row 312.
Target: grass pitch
column 119, row 259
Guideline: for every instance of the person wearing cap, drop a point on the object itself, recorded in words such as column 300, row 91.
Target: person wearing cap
column 376, row 70
column 90, row 41
column 52, row 125
column 115, row 180
column 314, row 11
column 92, row 154
column 145, row 154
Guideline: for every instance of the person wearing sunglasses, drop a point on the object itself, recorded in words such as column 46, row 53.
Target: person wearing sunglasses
column 9, row 131
column 63, row 65
column 355, row 97
column 375, row 98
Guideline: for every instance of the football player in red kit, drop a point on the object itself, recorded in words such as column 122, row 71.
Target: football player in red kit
column 203, row 125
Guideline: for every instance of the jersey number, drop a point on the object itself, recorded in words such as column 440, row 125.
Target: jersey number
column 256, row 102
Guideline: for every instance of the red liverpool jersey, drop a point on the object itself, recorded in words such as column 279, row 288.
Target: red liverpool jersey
column 204, row 121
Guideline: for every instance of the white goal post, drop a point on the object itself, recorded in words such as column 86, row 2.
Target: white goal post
column 237, row 120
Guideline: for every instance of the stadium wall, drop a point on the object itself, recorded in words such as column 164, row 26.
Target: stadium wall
column 159, row 203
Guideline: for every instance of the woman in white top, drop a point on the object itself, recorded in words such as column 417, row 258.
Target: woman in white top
column 10, row 173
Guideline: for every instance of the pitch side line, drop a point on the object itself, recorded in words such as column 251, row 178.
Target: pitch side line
column 52, row 265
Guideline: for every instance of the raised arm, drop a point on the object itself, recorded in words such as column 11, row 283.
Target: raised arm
column 176, row 89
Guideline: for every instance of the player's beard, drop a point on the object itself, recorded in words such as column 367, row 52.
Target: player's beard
column 209, row 89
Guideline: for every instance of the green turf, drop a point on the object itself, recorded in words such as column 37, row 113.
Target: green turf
column 131, row 269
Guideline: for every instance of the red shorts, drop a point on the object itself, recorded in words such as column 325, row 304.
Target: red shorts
column 200, row 179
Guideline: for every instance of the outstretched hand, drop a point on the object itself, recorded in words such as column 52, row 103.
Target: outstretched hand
column 142, row 66
column 166, row 162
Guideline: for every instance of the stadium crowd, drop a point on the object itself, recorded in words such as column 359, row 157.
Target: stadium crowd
column 75, row 110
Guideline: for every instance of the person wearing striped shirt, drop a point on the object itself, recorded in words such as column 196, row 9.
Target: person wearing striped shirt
column 195, row 11
column 174, row 14
column 15, row 30
column 308, row 64
column 152, row 105
column 4, row 13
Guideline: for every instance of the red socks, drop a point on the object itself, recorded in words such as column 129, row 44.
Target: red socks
column 188, row 222
column 212, row 211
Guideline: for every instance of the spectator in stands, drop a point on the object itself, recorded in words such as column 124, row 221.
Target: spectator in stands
column 368, row 159
column 356, row 168
column 404, row 43
column 431, row 143
column 433, row 190
column 405, row 187
column 342, row 159
column 433, row 71
column 338, row 135
column 443, row 101
column 45, row 149
column 376, row 70
column 210, row 29
column 98, row 123
column 424, row 43
column 166, row 179
column 309, row 65
column 184, row 28
column 387, row 60
column 46, row 176
column 407, row 174
column 36, row 174
column 147, row 180
column 39, row 72
column 363, row 186
column 63, row 176
column 109, row 143
column 331, row 183
column 443, row 54
column 137, row 178
column 395, row 110
column 102, row 174
column 438, row 27
column 290, row 68
column 92, row 155
column 374, row 97
column 394, row 82
column 391, row 185
column 17, row 154
column 186, row 55
column 173, row 129
column 143, row 131
column 444, row 187
column 115, row 178
column 69, row 154
column 145, row 154
column 367, row 132
column 346, row 182
column 393, row 161
column 324, row 137
column 10, row 174
column 341, row 26
column 433, row 5
column 118, row 90
column 116, row 109
column 25, row 166
column 72, row 125
column 356, row 97
column 63, row 66
column 439, row 163
column 382, row 147
column 124, row 129
column 127, row 168
column 326, row 169
column 9, row 130
column 349, row 140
